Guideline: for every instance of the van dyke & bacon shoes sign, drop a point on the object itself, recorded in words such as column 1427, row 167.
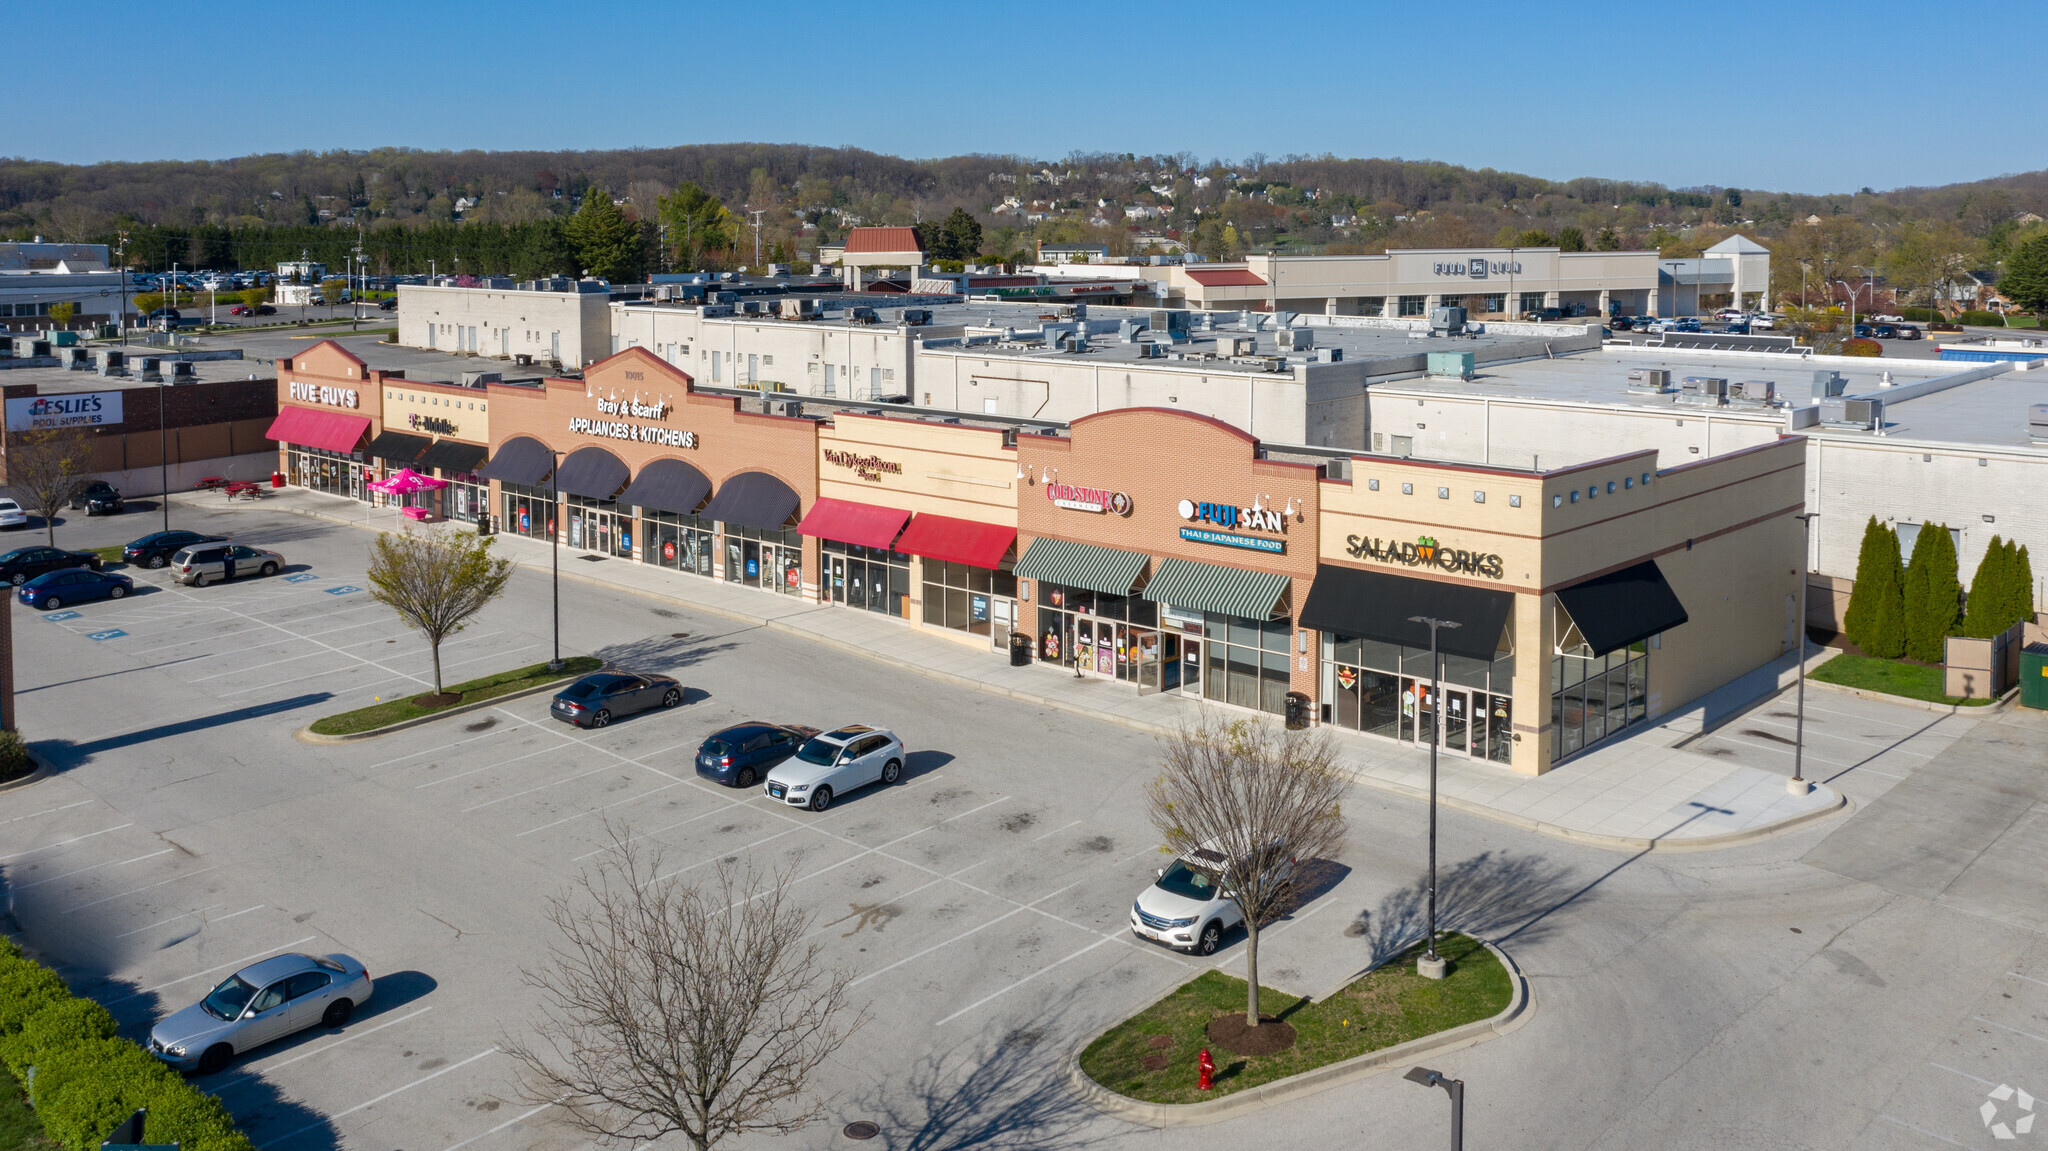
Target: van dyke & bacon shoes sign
column 870, row 468
column 1424, row 552
column 638, row 433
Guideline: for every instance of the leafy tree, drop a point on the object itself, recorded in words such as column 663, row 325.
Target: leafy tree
column 1571, row 239
column 436, row 582
column 697, row 221
column 147, row 302
column 1875, row 619
column 255, row 297
column 60, row 314
column 46, row 468
column 545, row 250
column 2025, row 281
column 1261, row 803
column 606, row 241
column 1933, row 594
column 2002, row 592
column 2019, row 583
column 961, row 234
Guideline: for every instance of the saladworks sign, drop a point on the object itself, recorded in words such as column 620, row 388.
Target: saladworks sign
column 70, row 410
column 1424, row 551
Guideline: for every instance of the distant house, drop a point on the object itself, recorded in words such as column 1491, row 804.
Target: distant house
column 465, row 203
column 2026, row 218
column 1812, row 221
column 1072, row 253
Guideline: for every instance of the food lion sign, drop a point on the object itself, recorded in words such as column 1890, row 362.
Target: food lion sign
column 69, row 410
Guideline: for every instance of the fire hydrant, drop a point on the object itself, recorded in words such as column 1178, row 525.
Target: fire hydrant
column 1208, row 1067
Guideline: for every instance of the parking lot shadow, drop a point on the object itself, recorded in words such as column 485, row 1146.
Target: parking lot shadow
column 393, row 991
column 1489, row 896
column 1002, row 1090
column 663, row 653
column 916, row 763
column 63, row 754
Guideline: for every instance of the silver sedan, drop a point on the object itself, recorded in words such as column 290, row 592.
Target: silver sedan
column 263, row 1001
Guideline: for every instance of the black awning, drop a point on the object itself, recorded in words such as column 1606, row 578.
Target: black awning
column 592, row 473
column 1619, row 608
column 1378, row 605
column 453, row 456
column 753, row 500
column 520, row 460
column 398, row 447
column 668, row 486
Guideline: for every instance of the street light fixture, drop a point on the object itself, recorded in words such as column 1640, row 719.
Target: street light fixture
column 555, row 549
column 1798, row 784
column 1456, row 1088
column 1431, row 965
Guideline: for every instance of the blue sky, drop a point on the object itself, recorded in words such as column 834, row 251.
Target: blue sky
column 1803, row 97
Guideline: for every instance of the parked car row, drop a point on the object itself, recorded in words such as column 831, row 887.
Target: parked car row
column 50, row 578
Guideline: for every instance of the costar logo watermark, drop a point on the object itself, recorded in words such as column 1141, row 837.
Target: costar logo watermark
column 2004, row 1099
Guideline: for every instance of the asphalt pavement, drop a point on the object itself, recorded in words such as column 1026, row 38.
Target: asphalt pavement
column 1823, row 988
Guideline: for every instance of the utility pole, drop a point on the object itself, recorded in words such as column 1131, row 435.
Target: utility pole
column 757, row 213
column 362, row 285
column 121, row 261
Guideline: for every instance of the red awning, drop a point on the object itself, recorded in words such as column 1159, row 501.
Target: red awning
column 1227, row 278
column 852, row 523
column 957, row 541
column 311, row 428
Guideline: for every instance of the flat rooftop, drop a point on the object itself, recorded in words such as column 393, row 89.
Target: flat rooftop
column 53, row 380
column 1991, row 412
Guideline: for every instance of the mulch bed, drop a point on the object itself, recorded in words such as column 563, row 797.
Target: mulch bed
column 1154, row 1062
column 1270, row 1037
column 445, row 699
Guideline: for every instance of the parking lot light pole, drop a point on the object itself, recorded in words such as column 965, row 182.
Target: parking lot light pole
column 163, row 456
column 1431, row 965
column 1799, row 784
column 1456, row 1088
column 555, row 549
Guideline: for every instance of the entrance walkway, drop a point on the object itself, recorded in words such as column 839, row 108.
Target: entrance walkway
column 1645, row 789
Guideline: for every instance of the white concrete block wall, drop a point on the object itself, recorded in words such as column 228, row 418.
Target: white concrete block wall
column 1524, row 433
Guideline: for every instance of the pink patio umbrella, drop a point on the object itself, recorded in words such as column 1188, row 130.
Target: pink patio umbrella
column 403, row 482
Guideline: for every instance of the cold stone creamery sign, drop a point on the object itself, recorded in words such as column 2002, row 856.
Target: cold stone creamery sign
column 1076, row 498
column 326, row 394
column 1424, row 552
column 869, row 468
column 75, row 410
column 638, row 433
column 1229, row 516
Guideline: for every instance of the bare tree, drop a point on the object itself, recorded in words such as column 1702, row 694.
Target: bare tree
column 46, row 467
column 436, row 581
column 1254, row 804
column 676, row 1008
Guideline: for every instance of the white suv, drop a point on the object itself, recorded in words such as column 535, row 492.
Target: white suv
column 1187, row 907
column 835, row 763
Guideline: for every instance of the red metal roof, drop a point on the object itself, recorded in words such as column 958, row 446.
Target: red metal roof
column 861, row 240
column 957, row 541
column 312, row 428
column 1226, row 278
column 852, row 523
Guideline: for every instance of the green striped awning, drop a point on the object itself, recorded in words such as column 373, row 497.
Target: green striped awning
column 1211, row 587
column 1105, row 570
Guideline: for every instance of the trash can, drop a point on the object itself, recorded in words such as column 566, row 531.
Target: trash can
column 277, row 479
column 1297, row 711
column 483, row 523
column 2034, row 676
column 1020, row 648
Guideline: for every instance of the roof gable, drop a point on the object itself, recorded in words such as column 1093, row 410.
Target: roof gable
column 861, row 241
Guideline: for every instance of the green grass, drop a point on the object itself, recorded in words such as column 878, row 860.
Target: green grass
column 1890, row 676
column 489, row 687
column 109, row 554
column 1390, row 1005
column 20, row 1130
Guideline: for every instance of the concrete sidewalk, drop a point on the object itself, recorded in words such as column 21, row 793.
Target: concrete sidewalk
column 1640, row 791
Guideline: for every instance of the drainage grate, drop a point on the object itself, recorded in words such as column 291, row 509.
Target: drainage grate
column 861, row 1129
column 679, row 635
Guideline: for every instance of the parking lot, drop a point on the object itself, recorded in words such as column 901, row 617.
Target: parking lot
column 981, row 903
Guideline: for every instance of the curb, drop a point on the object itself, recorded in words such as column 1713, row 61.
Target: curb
column 43, row 771
column 782, row 624
column 1159, row 1115
column 1990, row 708
column 308, row 735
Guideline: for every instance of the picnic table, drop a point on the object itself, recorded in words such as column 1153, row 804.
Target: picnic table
column 412, row 513
column 245, row 488
column 208, row 483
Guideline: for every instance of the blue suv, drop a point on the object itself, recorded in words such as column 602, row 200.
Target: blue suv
column 741, row 754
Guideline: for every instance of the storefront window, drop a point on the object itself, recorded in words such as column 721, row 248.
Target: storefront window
column 1386, row 690
column 1247, row 661
column 1532, row 301
column 599, row 526
column 1496, row 303
column 964, row 598
column 1412, row 305
column 684, row 543
column 1111, row 635
column 1593, row 697
column 528, row 511
column 465, row 497
column 773, row 561
column 872, row 579
column 325, row 471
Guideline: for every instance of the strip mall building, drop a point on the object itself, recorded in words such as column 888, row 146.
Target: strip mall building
column 1159, row 551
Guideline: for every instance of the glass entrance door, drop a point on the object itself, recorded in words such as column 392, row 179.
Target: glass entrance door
column 1457, row 721
column 1191, row 666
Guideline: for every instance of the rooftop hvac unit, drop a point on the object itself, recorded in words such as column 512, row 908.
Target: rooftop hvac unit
column 1297, row 339
column 2037, row 421
column 1649, row 380
column 113, row 363
column 182, row 372
column 716, row 311
column 481, row 379
column 1169, row 320
column 1450, row 321
column 1828, row 384
column 1759, row 391
column 862, row 315
column 1150, row 351
column 77, row 359
column 1865, row 414
column 152, row 370
column 1329, row 355
column 1236, row 345
column 917, row 317
column 6, row 347
column 725, row 297
column 1456, row 365
column 38, row 349
column 1338, row 469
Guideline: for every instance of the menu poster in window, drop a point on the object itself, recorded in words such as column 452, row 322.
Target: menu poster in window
column 978, row 608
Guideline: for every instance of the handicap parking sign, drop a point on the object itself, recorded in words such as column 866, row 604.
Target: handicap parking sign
column 344, row 589
column 54, row 616
column 301, row 577
column 116, row 633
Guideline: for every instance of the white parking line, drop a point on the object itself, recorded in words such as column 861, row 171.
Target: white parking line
column 2014, row 1030
column 541, row 787
column 258, row 666
column 1921, row 1130
column 1055, row 831
column 66, row 842
column 1896, row 747
column 259, row 1073
column 594, row 810
column 244, row 911
column 500, row 1127
column 446, row 746
column 329, row 1120
column 2028, row 978
column 899, row 839
column 172, row 919
column 1964, row 1074
column 1028, row 978
column 45, row 811
column 1784, row 749
column 210, row 970
column 94, row 867
column 439, row 780
column 722, row 855
column 904, row 895
column 638, row 835
column 1021, row 907
column 139, row 890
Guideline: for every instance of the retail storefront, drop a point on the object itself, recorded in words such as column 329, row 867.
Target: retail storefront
column 326, row 414
column 447, row 429
column 1168, row 552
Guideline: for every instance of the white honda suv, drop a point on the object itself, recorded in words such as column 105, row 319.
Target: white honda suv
column 835, row 763
column 1187, row 907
